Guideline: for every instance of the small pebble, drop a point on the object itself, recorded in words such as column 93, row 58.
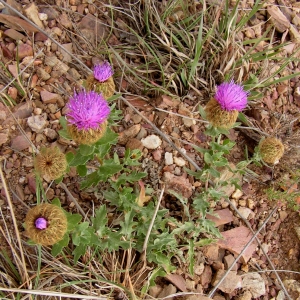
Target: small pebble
column 151, row 141
column 168, row 158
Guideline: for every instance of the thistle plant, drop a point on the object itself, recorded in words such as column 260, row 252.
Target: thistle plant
column 87, row 117
column 101, row 81
column 222, row 110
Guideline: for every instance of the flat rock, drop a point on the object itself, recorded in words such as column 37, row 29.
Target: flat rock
column 66, row 56
column 224, row 216
column 235, row 240
column 14, row 34
column 13, row 69
column 133, row 144
column 231, row 282
column 41, row 73
column 205, row 277
column 151, row 141
column 51, row 61
column 17, row 23
column 178, row 281
column 254, row 283
column 169, row 158
column 20, row 142
column 23, row 50
column 128, row 133
column 228, row 261
column 246, row 212
column 179, row 184
column 90, row 22
column 3, row 138
column 23, row 111
column 167, row 290
column 32, row 13
column 180, row 162
column 211, row 252
column 48, row 97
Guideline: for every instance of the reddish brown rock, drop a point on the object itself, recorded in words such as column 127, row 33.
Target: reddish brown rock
column 48, row 97
column 14, row 34
column 23, row 50
column 211, row 252
column 224, row 216
column 90, row 22
column 230, row 283
column 3, row 138
column 179, row 184
column 206, row 276
column 31, row 183
column 235, row 240
column 23, row 111
column 128, row 133
column 20, row 142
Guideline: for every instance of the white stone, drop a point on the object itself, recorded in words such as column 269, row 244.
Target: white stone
column 245, row 212
column 43, row 16
column 168, row 158
column 151, row 141
column 254, row 283
column 180, row 162
column 37, row 123
column 237, row 194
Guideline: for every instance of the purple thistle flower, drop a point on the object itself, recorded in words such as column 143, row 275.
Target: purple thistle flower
column 87, row 110
column 40, row 223
column 231, row 96
column 103, row 71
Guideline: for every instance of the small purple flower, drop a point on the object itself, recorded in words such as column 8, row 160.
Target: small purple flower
column 231, row 96
column 87, row 110
column 41, row 223
column 103, row 71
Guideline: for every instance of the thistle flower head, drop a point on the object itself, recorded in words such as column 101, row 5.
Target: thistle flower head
column 41, row 223
column 87, row 110
column 103, row 71
column 271, row 150
column 50, row 162
column 219, row 117
column 46, row 224
column 231, row 96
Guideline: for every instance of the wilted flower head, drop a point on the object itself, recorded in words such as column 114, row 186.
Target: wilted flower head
column 87, row 110
column 271, row 150
column 231, row 96
column 103, row 71
column 50, row 162
column 46, row 224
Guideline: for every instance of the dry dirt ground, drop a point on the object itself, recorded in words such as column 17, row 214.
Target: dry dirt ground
column 39, row 96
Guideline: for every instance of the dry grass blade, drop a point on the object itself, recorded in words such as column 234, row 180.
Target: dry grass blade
column 23, row 268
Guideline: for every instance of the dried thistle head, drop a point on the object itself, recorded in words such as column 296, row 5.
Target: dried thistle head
column 271, row 150
column 218, row 117
column 86, row 137
column 50, row 162
column 46, row 224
